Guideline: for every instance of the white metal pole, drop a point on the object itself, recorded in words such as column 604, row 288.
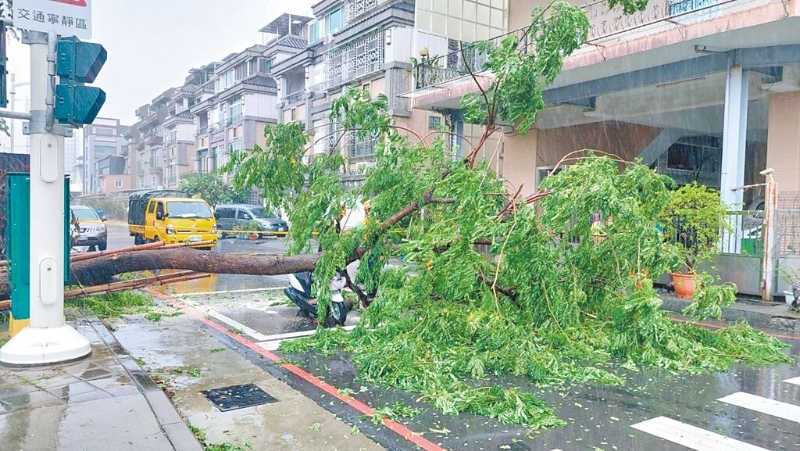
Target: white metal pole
column 47, row 339
column 12, row 78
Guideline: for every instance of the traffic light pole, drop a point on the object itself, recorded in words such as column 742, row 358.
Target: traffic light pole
column 47, row 339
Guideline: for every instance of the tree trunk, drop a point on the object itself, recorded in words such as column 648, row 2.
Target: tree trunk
column 100, row 270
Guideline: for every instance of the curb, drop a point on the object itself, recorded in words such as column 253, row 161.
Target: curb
column 176, row 430
column 759, row 314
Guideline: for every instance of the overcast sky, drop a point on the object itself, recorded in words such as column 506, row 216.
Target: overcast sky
column 152, row 44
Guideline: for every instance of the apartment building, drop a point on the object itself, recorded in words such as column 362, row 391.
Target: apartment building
column 111, row 176
column 102, row 139
column 241, row 98
column 161, row 147
column 702, row 90
column 362, row 43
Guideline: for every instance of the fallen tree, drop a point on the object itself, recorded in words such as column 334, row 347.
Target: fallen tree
column 555, row 298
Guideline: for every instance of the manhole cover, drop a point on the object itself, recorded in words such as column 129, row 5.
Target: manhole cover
column 238, row 397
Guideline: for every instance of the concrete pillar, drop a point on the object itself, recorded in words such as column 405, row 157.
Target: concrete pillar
column 783, row 141
column 734, row 136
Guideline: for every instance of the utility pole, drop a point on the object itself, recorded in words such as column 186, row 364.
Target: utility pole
column 48, row 339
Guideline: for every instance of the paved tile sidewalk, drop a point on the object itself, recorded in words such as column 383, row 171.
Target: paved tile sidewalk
column 102, row 402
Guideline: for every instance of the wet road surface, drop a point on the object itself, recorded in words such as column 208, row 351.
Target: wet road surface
column 654, row 410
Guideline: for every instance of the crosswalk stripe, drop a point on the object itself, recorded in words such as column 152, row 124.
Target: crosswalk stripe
column 794, row 380
column 778, row 409
column 692, row 437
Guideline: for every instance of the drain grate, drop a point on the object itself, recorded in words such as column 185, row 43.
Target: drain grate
column 238, row 397
column 516, row 446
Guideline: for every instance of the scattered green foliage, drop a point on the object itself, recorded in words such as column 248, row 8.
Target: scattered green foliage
column 226, row 447
column 194, row 372
column 156, row 316
column 139, row 361
column 114, row 305
column 215, row 350
column 198, row 433
column 315, row 427
column 709, row 299
column 394, row 412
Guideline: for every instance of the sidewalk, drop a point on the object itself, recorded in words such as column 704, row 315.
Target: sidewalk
column 759, row 314
column 103, row 402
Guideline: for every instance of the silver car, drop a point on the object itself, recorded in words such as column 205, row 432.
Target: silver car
column 88, row 229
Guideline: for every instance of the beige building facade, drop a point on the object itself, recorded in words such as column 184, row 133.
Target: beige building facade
column 701, row 90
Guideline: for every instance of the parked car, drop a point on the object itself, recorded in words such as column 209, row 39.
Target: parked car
column 228, row 216
column 88, row 228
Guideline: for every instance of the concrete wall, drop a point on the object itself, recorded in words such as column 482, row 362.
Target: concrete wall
column 783, row 142
column 260, row 105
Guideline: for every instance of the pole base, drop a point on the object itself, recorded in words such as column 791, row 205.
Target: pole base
column 42, row 346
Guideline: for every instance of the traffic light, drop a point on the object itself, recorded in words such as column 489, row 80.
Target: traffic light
column 78, row 63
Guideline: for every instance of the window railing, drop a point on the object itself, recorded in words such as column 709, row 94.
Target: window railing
column 357, row 58
column 294, row 97
column 355, row 8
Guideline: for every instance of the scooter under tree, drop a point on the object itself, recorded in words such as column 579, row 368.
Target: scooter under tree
column 300, row 292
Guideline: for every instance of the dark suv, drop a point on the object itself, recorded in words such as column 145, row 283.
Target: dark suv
column 228, row 216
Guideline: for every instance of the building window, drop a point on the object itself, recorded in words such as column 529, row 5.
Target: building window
column 434, row 122
column 104, row 131
column 235, row 111
column 252, row 66
column 117, row 183
column 293, row 114
column 334, row 21
column 313, row 32
column 266, row 65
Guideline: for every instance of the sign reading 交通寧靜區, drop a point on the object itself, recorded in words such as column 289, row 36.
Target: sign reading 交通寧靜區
column 65, row 17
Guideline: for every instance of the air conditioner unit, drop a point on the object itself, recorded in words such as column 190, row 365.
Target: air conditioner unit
column 327, row 39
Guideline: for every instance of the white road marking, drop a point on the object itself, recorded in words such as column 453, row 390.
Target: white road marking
column 692, row 437
column 237, row 325
column 273, row 341
column 794, row 380
column 778, row 409
column 208, row 293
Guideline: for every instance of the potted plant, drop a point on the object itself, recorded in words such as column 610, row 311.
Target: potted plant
column 792, row 277
column 694, row 218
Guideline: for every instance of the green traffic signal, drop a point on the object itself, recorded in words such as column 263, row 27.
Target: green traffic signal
column 78, row 63
column 78, row 104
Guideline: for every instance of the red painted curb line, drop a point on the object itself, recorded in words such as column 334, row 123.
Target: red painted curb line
column 393, row 425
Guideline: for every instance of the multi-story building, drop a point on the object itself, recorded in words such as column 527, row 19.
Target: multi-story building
column 702, row 90
column 240, row 100
column 103, row 138
column 361, row 43
column 111, row 176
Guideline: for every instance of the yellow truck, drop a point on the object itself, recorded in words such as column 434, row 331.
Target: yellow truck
column 170, row 216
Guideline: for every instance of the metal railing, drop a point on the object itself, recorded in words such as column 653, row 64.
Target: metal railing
column 603, row 22
column 294, row 97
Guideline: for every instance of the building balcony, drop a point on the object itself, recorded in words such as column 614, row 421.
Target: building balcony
column 354, row 9
column 293, row 98
column 154, row 140
column 603, row 23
